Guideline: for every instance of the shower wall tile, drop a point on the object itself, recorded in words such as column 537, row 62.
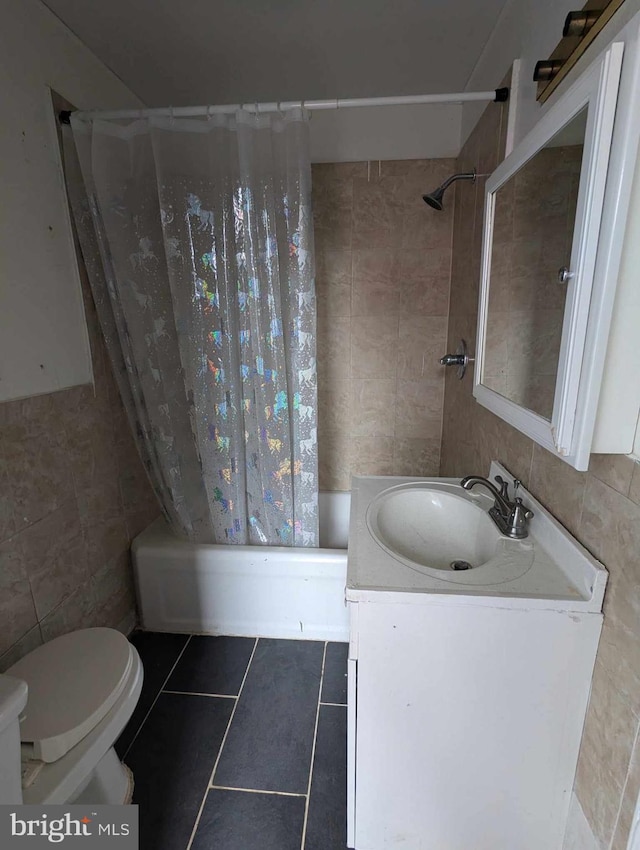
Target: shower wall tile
column 374, row 347
column 422, row 341
column 334, row 404
column 372, row 455
column 416, row 456
column 73, row 494
column 600, row 507
column 373, row 408
column 383, row 267
column 333, row 281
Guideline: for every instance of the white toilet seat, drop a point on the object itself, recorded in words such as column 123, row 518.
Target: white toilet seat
column 63, row 781
column 73, row 682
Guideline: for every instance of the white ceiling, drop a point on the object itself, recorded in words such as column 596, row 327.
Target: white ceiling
column 186, row 52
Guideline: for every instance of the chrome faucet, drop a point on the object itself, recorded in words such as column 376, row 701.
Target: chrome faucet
column 511, row 517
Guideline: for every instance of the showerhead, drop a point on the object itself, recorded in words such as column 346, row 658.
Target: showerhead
column 434, row 199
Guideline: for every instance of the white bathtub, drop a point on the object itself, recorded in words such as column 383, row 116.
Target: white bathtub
column 264, row 591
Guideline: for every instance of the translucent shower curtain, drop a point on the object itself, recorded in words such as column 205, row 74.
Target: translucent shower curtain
column 198, row 241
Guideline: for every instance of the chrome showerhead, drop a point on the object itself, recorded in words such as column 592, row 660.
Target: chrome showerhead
column 434, row 199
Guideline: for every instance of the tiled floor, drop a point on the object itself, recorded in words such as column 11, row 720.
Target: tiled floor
column 239, row 744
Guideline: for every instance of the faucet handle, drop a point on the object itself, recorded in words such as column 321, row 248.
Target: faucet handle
column 504, row 487
column 517, row 522
column 527, row 512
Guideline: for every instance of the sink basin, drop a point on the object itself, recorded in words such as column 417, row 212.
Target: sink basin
column 432, row 528
column 443, row 530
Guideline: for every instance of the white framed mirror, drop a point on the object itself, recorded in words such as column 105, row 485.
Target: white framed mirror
column 543, row 210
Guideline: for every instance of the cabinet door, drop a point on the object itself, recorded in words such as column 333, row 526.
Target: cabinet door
column 468, row 725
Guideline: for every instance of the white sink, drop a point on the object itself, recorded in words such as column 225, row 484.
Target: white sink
column 441, row 527
column 405, row 532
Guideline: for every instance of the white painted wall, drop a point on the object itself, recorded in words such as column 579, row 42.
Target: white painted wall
column 43, row 339
column 528, row 30
column 391, row 132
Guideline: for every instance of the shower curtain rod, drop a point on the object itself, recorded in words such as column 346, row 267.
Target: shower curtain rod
column 497, row 96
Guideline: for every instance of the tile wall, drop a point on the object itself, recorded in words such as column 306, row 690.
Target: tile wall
column 383, row 266
column 600, row 507
column 73, row 494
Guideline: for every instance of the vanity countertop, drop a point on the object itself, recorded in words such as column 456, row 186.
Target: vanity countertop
column 562, row 576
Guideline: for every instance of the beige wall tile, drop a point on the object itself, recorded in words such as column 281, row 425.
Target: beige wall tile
column 397, row 266
column 374, row 346
column 56, row 558
column 610, row 528
column 334, row 406
column 615, row 470
column 332, row 211
column 414, row 456
column 377, row 213
column 375, row 288
column 419, row 409
column 29, row 641
column 333, row 281
column 334, row 461
column 7, row 514
column 422, row 342
column 323, row 171
column 26, row 418
column 373, row 408
column 334, row 348
column 77, row 611
column 114, row 580
column 424, row 296
column 634, row 488
column 426, row 174
column 630, row 795
column 607, row 745
column 16, row 601
column 372, row 456
column 559, row 487
column 38, row 476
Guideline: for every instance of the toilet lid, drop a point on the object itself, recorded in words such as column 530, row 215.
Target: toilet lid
column 73, row 682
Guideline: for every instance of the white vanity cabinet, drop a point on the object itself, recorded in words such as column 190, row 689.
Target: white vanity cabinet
column 466, row 703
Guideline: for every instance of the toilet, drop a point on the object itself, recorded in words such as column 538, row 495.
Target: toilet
column 62, row 707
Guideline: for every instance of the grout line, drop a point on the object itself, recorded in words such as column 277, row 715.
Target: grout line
column 254, row 791
column 144, row 720
column 313, row 751
column 199, row 694
column 222, row 743
column 338, row 704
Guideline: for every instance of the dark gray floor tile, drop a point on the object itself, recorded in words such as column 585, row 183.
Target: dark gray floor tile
column 334, row 682
column 269, row 744
column 327, row 821
column 238, row 820
column 172, row 759
column 212, row 665
column 158, row 652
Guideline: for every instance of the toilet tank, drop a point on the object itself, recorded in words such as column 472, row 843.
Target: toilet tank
column 13, row 698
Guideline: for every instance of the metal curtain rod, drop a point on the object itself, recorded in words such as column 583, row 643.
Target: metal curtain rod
column 497, row 95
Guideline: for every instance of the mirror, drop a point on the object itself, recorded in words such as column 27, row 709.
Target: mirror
column 534, row 220
column 542, row 330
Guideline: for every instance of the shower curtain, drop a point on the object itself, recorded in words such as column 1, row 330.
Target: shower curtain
column 198, row 242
